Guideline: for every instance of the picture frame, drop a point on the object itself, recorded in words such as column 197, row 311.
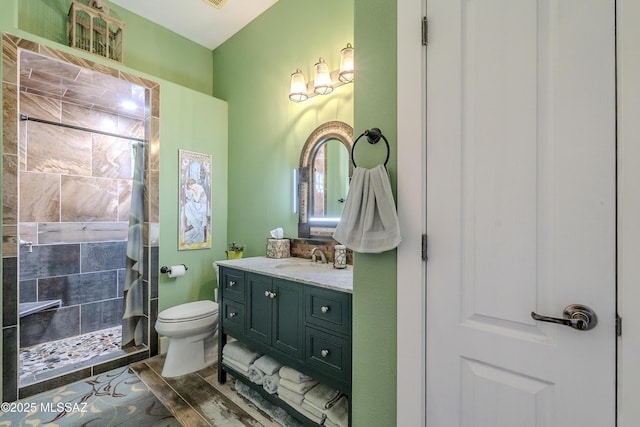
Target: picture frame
column 194, row 200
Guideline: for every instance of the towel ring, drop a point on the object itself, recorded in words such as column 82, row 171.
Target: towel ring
column 373, row 136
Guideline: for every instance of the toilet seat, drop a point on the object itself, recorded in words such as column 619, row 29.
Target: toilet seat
column 189, row 312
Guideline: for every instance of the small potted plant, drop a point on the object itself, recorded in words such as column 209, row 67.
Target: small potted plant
column 234, row 250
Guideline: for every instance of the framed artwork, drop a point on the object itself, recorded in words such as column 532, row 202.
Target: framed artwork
column 194, row 217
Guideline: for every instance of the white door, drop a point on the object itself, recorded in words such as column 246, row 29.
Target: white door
column 520, row 212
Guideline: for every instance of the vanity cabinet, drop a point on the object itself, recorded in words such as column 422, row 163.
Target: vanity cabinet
column 274, row 308
column 301, row 325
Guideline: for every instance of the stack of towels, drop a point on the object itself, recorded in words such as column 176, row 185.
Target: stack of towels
column 327, row 404
column 338, row 414
column 292, row 388
column 265, row 372
column 239, row 357
column 318, row 402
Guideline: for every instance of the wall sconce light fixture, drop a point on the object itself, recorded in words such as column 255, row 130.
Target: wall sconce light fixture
column 324, row 81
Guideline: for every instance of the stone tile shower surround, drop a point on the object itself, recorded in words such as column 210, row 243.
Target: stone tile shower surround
column 71, row 232
column 87, row 179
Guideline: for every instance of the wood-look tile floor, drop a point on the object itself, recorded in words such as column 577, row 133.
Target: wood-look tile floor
column 198, row 400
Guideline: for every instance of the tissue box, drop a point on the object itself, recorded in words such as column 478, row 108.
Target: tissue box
column 278, row 248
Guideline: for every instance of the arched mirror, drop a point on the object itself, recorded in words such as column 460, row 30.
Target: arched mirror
column 323, row 178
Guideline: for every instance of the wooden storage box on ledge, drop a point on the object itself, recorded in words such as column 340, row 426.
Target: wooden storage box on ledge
column 94, row 31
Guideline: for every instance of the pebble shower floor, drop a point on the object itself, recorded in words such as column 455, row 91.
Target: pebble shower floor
column 53, row 355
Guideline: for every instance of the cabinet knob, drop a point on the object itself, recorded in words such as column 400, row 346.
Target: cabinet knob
column 324, row 352
column 233, row 314
column 267, row 293
column 232, row 283
column 325, row 308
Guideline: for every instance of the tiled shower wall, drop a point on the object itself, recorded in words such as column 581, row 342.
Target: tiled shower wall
column 11, row 389
column 75, row 194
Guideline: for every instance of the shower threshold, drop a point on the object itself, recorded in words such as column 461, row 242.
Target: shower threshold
column 26, row 308
column 51, row 359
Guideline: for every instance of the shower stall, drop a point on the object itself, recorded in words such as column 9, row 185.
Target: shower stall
column 80, row 218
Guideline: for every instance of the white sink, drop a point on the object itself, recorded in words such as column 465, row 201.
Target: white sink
column 303, row 266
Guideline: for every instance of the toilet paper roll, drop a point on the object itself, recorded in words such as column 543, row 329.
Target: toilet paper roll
column 176, row 271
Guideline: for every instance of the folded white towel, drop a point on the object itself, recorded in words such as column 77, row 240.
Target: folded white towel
column 338, row 414
column 322, row 396
column 286, row 394
column 271, row 383
column 240, row 353
column 293, row 375
column 300, row 388
column 312, row 409
column 267, row 365
column 256, row 375
column 299, row 408
column 243, row 369
column 369, row 221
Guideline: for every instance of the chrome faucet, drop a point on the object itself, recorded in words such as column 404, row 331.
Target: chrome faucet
column 323, row 256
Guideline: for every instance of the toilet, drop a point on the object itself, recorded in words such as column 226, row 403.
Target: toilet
column 187, row 326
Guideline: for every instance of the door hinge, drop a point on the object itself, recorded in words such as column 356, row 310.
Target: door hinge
column 425, row 30
column 424, row 247
column 618, row 325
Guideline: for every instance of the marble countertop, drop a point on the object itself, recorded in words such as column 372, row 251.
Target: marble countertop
column 297, row 269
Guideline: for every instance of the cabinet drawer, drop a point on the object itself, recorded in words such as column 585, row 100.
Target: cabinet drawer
column 328, row 309
column 233, row 284
column 330, row 353
column 233, row 316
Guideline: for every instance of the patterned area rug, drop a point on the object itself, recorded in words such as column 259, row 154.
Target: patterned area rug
column 115, row 398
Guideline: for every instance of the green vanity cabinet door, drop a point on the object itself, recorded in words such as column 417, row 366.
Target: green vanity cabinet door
column 259, row 308
column 288, row 317
column 274, row 313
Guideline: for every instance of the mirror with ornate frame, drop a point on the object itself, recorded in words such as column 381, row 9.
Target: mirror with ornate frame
column 323, row 178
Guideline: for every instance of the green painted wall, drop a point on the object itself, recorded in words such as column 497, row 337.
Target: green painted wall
column 374, row 296
column 267, row 131
column 195, row 122
column 148, row 47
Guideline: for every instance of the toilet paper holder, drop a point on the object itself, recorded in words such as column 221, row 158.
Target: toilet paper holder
column 164, row 269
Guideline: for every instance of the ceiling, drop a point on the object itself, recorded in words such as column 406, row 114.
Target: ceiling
column 197, row 20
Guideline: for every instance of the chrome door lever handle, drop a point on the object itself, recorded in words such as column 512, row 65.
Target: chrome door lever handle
column 577, row 316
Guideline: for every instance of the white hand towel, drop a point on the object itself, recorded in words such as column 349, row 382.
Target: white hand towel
column 300, row 388
column 243, row 369
column 292, row 396
column 256, row 375
column 338, row 414
column 299, row 408
column 322, row 396
column 293, row 375
column 271, row 383
column 268, row 365
column 312, row 409
column 240, row 353
column 369, row 221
